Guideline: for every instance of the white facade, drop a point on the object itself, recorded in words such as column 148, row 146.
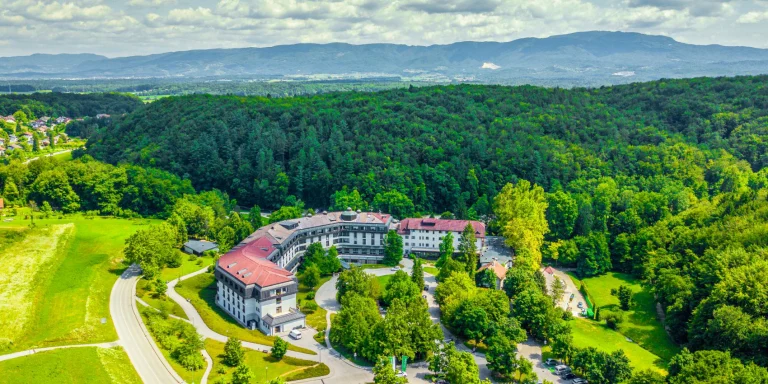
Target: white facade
column 429, row 240
column 359, row 238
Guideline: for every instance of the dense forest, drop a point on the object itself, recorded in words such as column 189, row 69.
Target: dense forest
column 666, row 180
column 54, row 104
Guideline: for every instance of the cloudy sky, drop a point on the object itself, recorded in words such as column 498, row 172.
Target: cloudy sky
column 131, row 27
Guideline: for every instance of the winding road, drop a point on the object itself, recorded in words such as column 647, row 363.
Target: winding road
column 133, row 335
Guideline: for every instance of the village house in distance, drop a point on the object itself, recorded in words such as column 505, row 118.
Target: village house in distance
column 255, row 280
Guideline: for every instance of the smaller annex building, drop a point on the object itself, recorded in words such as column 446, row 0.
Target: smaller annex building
column 422, row 237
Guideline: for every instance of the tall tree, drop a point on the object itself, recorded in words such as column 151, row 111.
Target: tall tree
column 520, row 211
column 417, row 274
column 393, row 248
column 446, row 250
column 468, row 250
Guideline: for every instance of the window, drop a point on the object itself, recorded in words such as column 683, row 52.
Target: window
column 279, row 300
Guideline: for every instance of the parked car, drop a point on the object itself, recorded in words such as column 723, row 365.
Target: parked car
column 580, row 304
column 295, row 334
column 552, row 362
column 395, row 268
column 569, row 376
column 562, row 370
column 579, row 380
column 402, row 374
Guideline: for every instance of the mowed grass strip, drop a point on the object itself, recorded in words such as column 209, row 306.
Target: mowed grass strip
column 640, row 322
column 201, row 292
column 27, row 265
column 71, row 297
column 263, row 365
column 72, row 365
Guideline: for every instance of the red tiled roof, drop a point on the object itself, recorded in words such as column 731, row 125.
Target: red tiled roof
column 497, row 268
column 253, row 270
column 441, row 225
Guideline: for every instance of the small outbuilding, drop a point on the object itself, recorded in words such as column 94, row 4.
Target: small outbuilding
column 197, row 247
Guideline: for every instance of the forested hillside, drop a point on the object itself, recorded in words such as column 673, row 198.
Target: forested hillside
column 666, row 180
column 68, row 104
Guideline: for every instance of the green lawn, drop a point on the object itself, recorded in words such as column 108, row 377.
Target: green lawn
column 262, row 364
column 383, row 280
column 73, row 365
column 144, row 291
column 588, row 333
column 188, row 265
column 431, row 270
column 62, row 276
column 374, row 266
column 314, row 319
column 640, row 322
column 201, row 291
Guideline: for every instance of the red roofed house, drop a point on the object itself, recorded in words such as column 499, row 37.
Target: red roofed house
column 500, row 270
column 423, row 236
column 255, row 283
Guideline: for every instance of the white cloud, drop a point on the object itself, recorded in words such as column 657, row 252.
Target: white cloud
column 753, row 17
column 127, row 27
column 151, row 3
column 56, row 11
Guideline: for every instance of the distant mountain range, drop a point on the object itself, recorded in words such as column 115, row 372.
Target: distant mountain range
column 584, row 57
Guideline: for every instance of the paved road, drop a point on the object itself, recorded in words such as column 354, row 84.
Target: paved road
column 37, row 350
column 135, row 339
column 47, row 155
column 570, row 288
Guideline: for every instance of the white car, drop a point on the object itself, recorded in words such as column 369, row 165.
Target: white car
column 295, row 334
column 395, row 268
column 402, row 374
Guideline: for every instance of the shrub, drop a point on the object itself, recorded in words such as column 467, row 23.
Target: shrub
column 613, row 319
column 311, row 295
column 279, row 348
column 191, row 258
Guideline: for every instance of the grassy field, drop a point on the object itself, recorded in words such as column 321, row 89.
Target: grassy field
column 201, row 291
column 640, row 322
column 431, row 270
column 75, row 365
column 588, row 333
column 262, row 364
column 58, row 279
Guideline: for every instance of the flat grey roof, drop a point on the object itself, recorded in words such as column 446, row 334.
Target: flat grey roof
column 496, row 249
column 200, row 246
column 282, row 319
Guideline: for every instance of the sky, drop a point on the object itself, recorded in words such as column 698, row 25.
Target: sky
column 139, row 27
